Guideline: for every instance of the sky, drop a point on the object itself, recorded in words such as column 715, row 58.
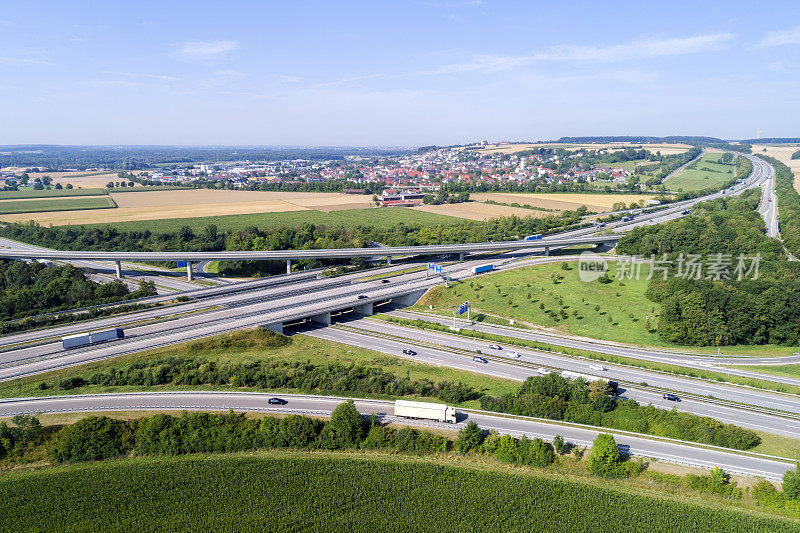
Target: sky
column 394, row 73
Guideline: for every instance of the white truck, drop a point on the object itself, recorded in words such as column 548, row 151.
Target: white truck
column 85, row 339
column 428, row 411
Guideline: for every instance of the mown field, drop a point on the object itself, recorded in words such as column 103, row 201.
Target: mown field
column 44, row 205
column 706, row 172
column 51, row 193
column 383, row 218
column 530, row 295
column 326, row 492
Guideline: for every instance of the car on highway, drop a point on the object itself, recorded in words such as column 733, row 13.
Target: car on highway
column 385, row 281
column 277, row 401
column 478, row 359
column 495, row 347
column 513, row 354
column 598, row 367
column 542, row 370
column 409, row 351
column 671, row 397
column 362, row 296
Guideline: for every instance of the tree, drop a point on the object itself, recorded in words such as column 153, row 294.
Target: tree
column 791, row 484
column 92, row 438
column 345, row 428
column 558, row 444
column 58, row 186
column 605, row 457
column 470, row 437
column 69, row 185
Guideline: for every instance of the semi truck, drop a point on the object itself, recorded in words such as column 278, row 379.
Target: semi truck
column 536, row 237
column 423, row 410
column 482, row 268
column 85, row 339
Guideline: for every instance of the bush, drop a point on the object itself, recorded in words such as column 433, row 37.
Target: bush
column 469, row 438
column 92, row 438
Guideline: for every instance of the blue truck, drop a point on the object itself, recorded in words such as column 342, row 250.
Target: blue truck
column 533, row 237
column 482, row 268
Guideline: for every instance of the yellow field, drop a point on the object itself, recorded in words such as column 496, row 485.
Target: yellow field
column 187, row 203
column 563, row 201
column 480, row 211
column 782, row 153
column 665, row 149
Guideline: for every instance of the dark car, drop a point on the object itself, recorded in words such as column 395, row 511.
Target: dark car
column 409, row 351
column 479, row 360
column 385, row 281
column 277, row 401
column 671, row 397
column 362, row 296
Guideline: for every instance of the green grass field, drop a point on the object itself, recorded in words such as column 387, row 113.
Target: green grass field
column 52, row 193
column 66, row 204
column 702, row 174
column 291, row 491
column 302, row 348
column 384, row 218
column 506, row 294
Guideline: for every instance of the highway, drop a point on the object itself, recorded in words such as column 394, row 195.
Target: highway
column 638, row 445
column 456, row 352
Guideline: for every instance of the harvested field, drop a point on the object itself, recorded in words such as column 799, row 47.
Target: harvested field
column 563, row 201
column 783, row 153
column 49, row 193
column 82, row 180
column 187, row 203
column 665, row 149
column 480, row 210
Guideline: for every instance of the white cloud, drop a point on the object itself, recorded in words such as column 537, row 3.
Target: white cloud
column 159, row 77
column 22, row 61
column 780, row 38
column 289, row 79
column 206, row 49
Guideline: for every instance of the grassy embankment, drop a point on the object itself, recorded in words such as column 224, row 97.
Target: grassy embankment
column 67, row 204
column 323, row 491
column 618, row 311
column 704, row 173
column 383, row 218
column 301, row 349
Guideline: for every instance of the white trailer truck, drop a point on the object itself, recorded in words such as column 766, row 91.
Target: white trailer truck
column 424, row 410
column 74, row 341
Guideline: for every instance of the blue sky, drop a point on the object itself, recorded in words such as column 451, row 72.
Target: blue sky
column 393, row 72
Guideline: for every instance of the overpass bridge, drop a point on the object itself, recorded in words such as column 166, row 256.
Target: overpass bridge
column 321, row 253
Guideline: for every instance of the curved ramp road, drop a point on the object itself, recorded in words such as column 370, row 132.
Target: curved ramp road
column 639, row 445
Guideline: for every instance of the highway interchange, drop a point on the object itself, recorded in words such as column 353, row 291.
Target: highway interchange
column 301, row 296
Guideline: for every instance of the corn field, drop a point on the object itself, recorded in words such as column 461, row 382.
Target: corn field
column 336, row 494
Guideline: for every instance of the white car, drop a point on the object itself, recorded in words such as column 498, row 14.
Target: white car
column 495, row 347
column 543, row 371
column 512, row 354
column 598, row 367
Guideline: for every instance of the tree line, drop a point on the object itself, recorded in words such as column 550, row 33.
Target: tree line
column 725, row 311
column 33, row 288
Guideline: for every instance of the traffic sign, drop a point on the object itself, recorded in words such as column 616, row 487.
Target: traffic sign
column 463, row 308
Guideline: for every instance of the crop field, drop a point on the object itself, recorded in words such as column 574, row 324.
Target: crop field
column 702, row 174
column 325, row 492
column 665, row 149
column 783, row 153
column 476, row 210
column 384, row 218
column 563, row 201
column 49, row 205
column 190, row 203
column 51, row 193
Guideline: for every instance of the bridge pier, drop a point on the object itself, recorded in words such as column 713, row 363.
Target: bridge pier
column 366, row 309
column 277, row 327
column 189, row 273
column 322, row 318
column 461, row 256
column 288, row 266
column 388, row 259
column 118, row 267
column 410, row 298
column 546, row 250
